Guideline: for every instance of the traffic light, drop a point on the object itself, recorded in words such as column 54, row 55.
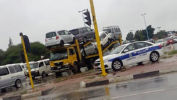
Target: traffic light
column 87, row 18
column 26, row 42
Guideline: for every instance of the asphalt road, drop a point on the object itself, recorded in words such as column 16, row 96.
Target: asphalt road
column 162, row 87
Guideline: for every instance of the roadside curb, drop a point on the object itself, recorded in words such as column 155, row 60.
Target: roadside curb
column 30, row 95
column 84, row 84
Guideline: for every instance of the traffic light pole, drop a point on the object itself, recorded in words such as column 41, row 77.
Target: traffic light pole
column 97, row 38
column 27, row 61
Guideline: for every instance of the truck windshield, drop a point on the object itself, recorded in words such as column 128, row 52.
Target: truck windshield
column 58, row 55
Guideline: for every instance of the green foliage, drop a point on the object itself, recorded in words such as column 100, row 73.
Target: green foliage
column 161, row 34
column 13, row 53
column 150, row 31
column 130, row 36
column 141, row 35
column 172, row 52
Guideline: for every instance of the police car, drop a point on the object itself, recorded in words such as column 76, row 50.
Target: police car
column 131, row 53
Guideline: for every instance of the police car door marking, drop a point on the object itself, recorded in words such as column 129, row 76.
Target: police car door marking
column 126, row 56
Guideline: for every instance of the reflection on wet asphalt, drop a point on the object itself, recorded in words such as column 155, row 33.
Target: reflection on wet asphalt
column 121, row 91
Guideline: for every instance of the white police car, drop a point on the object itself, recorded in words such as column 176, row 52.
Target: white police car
column 131, row 53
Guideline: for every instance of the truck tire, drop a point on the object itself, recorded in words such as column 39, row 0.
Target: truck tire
column 75, row 68
column 57, row 74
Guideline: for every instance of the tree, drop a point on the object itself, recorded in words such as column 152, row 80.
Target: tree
column 130, row 36
column 161, row 34
column 10, row 42
column 141, row 35
column 14, row 53
column 150, row 31
column 1, row 56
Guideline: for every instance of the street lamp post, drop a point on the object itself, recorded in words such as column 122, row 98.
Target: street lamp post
column 145, row 25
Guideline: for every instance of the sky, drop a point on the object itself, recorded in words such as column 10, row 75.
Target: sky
column 37, row 17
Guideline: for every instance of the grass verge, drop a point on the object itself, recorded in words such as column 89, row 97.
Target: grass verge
column 172, row 52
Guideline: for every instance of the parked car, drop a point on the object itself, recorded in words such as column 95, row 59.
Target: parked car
column 83, row 34
column 58, row 38
column 39, row 68
column 161, row 42
column 175, row 39
column 106, row 38
column 115, row 30
column 90, row 49
column 169, row 41
column 11, row 75
column 44, row 67
column 131, row 53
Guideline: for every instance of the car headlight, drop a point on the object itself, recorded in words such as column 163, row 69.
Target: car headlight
column 106, row 61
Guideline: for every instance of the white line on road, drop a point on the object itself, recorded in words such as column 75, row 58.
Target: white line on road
column 147, row 92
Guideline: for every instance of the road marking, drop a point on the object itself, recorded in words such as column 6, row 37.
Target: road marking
column 147, row 92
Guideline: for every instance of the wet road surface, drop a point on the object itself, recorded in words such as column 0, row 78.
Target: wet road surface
column 162, row 87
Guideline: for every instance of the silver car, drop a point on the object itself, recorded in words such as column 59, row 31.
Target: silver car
column 58, row 38
column 11, row 75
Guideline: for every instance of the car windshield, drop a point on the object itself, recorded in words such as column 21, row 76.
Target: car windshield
column 58, row 55
column 32, row 65
column 117, row 50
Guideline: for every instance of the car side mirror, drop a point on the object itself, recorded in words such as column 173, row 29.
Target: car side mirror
column 126, row 50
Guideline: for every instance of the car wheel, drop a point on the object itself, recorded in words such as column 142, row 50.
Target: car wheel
column 44, row 74
column 154, row 56
column 117, row 65
column 62, row 43
column 18, row 83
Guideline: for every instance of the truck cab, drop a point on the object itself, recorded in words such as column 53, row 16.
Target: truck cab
column 63, row 58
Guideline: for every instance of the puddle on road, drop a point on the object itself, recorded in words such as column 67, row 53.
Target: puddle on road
column 83, row 95
column 94, row 94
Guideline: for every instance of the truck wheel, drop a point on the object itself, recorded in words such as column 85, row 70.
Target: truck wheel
column 75, row 68
column 57, row 74
column 18, row 83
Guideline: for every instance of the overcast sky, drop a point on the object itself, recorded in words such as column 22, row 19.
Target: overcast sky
column 36, row 17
